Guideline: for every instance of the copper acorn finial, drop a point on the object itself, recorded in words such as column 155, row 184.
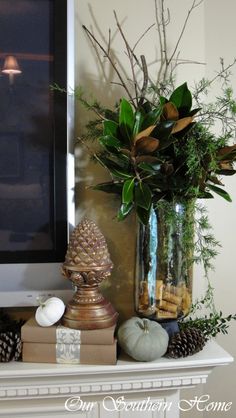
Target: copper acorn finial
column 87, row 247
column 87, row 263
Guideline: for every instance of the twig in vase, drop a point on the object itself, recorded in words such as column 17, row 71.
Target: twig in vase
column 92, row 38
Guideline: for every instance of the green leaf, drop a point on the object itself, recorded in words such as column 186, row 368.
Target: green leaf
column 110, row 128
column 124, row 211
column 127, row 191
column 182, row 97
column 152, row 117
column 194, row 111
column 150, row 168
column 137, row 123
column 143, row 214
column 109, row 141
column 226, row 172
column 220, row 192
column 163, row 130
column 126, row 119
column 205, row 195
column 120, row 174
column 109, row 187
column 167, row 142
column 110, row 164
column 143, row 195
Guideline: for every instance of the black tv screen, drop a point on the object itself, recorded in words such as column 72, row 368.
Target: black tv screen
column 33, row 131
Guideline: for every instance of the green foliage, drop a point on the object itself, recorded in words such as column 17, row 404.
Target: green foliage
column 210, row 325
column 166, row 150
column 182, row 98
column 205, row 245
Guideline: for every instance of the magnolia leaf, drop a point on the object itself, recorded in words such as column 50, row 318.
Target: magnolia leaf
column 110, row 128
column 125, row 151
column 124, row 210
column 194, row 111
column 182, row 97
column 226, row 172
column 227, row 153
column 127, row 191
column 152, row 117
column 145, row 133
column 126, row 119
column 220, row 192
column 109, row 187
column 137, row 123
column 143, row 195
column 146, row 145
column 227, row 150
column 151, row 168
column 163, row 129
column 226, row 165
column 119, row 173
column 205, row 195
column 166, row 143
column 119, row 164
column 147, row 159
column 143, row 214
column 181, row 124
column 170, row 112
column 215, row 180
column 109, row 141
column 162, row 100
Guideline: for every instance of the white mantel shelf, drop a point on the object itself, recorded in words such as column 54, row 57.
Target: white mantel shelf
column 26, row 386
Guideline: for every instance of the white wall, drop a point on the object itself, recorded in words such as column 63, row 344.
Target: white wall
column 209, row 36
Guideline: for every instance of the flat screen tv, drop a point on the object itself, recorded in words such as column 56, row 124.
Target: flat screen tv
column 36, row 158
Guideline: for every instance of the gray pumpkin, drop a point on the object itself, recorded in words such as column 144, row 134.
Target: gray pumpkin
column 142, row 339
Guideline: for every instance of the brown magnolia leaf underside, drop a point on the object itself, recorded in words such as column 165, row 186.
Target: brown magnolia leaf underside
column 170, row 111
column 146, row 145
column 181, row 124
column 145, row 132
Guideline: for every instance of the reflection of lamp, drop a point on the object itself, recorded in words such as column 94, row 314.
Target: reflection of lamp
column 11, row 67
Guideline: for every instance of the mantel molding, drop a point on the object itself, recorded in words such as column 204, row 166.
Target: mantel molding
column 43, row 390
column 36, row 381
column 108, row 387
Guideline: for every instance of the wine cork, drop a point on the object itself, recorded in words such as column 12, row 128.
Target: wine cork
column 165, row 314
column 159, row 289
column 167, row 306
column 169, row 297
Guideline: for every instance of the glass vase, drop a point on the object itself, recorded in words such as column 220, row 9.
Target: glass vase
column 164, row 262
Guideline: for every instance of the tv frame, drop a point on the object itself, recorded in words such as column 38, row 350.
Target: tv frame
column 37, row 277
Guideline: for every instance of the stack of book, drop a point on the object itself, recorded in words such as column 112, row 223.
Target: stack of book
column 59, row 344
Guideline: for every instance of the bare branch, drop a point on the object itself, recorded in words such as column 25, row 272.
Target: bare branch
column 194, row 5
column 158, row 23
column 145, row 79
column 92, row 38
column 142, row 36
column 109, row 42
column 130, row 55
column 163, row 25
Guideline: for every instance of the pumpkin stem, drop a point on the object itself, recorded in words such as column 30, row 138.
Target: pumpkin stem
column 40, row 301
column 144, row 326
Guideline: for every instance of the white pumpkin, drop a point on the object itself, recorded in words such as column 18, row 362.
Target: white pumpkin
column 143, row 339
column 49, row 312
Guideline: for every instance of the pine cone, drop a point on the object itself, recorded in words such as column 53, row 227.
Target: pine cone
column 87, row 247
column 10, row 346
column 185, row 343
